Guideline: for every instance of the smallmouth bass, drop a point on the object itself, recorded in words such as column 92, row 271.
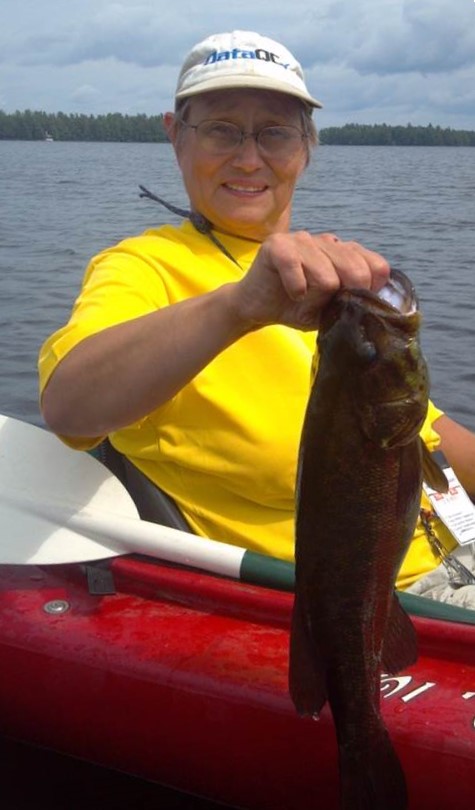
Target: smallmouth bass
column 359, row 484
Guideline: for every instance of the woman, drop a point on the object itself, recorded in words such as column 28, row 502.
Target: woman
column 191, row 346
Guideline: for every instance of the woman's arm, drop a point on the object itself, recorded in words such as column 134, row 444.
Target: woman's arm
column 119, row 375
column 458, row 445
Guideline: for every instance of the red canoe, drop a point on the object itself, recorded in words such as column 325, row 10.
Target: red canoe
column 181, row 677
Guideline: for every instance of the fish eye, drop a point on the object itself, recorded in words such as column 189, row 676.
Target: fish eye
column 367, row 352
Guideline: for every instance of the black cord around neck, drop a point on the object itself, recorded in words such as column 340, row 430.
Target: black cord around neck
column 198, row 221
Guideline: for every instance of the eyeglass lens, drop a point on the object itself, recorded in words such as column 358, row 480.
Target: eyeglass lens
column 222, row 136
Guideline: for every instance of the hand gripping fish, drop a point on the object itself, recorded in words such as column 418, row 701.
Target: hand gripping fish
column 358, row 498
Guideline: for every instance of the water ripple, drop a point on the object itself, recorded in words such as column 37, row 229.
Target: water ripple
column 63, row 204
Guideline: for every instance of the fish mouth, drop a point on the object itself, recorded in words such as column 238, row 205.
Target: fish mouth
column 397, row 297
column 396, row 402
column 399, row 293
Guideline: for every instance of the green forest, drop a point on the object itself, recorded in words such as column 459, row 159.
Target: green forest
column 29, row 125
column 386, row 135
column 37, row 126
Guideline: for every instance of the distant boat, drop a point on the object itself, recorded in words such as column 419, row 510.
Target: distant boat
column 48, row 137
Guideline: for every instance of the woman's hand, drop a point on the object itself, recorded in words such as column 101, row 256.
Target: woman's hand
column 113, row 378
column 295, row 274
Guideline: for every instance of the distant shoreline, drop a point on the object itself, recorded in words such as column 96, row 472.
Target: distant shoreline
column 30, row 125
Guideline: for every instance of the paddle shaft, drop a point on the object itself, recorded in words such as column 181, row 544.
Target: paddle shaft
column 109, row 535
column 60, row 506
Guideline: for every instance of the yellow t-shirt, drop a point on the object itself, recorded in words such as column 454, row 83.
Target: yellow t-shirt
column 225, row 447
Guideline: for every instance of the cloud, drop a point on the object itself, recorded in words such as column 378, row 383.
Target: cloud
column 423, row 37
column 143, row 33
column 85, row 94
column 398, row 59
column 130, row 32
column 408, row 36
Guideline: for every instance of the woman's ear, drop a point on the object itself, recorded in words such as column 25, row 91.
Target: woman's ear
column 170, row 127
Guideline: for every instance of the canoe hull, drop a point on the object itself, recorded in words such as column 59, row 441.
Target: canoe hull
column 181, row 678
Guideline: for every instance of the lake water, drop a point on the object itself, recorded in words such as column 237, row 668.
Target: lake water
column 62, row 202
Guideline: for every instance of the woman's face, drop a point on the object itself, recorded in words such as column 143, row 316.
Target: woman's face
column 242, row 193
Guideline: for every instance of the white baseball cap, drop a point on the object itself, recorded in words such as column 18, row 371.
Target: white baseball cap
column 242, row 59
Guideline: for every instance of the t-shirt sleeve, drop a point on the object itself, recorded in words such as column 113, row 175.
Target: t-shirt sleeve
column 428, row 433
column 119, row 285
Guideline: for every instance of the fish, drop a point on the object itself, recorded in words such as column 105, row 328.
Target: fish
column 360, row 470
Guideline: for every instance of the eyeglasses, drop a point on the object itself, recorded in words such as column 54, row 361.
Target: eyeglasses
column 222, row 138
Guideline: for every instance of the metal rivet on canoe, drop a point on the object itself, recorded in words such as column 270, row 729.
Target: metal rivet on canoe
column 56, row 606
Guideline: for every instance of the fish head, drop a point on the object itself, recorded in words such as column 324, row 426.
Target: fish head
column 371, row 341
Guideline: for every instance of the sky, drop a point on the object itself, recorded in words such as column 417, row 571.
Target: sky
column 368, row 61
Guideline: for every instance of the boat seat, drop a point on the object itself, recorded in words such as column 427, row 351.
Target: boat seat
column 152, row 503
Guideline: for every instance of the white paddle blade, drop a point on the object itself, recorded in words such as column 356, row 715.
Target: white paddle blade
column 42, row 534
column 42, row 484
column 61, row 506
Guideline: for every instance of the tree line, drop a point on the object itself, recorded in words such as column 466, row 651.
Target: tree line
column 36, row 125
column 386, row 135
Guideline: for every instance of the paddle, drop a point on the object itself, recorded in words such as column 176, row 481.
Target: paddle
column 61, row 506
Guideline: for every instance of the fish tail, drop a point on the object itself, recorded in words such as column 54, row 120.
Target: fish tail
column 375, row 780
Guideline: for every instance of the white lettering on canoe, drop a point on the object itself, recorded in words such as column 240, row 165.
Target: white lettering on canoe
column 468, row 695
column 401, row 685
column 391, row 685
column 410, row 695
